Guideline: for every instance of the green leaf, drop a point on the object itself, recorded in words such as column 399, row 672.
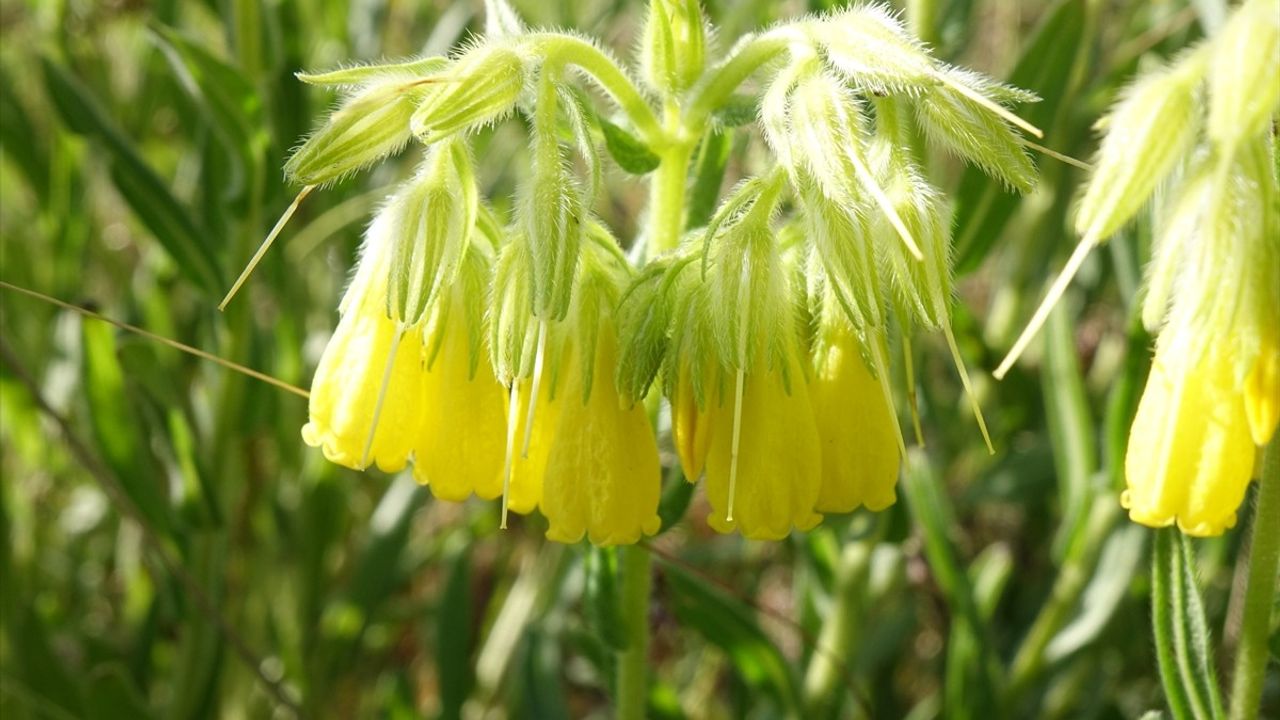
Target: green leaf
column 983, row 207
column 19, row 139
column 454, row 626
column 226, row 97
column 739, row 110
column 117, row 429
column 112, row 695
column 708, row 176
column 727, row 624
column 626, row 149
column 1181, row 633
column 1071, row 428
column 601, row 600
column 971, row 666
column 46, row 675
column 675, row 502
column 142, row 188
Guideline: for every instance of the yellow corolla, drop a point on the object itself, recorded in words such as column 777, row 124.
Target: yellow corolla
column 1191, row 452
column 461, row 443
column 366, row 395
column 528, row 461
column 1262, row 391
column 689, row 428
column 779, row 463
column 856, row 429
column 603, row 478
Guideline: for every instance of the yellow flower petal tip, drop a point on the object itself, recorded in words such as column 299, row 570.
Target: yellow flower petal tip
column 779, row 463
column 860, row 459
column 603, row 478
column 364, row 405
column 1190, row 454
column 462, row 440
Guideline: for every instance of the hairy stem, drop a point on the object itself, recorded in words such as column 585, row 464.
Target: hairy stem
column 633, row 663
column 1260, row 590
column 667, row 198
column 574, row 51
column 723, row 80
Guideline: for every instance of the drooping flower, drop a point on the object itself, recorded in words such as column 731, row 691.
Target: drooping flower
column 1190, row 450
column 367, row 387
column 602, row 476
column 462, row 437
column 1213, row 394
column 594, row 459
column 860, row 457
column 764, row 459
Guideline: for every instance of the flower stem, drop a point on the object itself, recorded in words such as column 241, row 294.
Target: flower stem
column 1260, row 589
column 666, row 203
column 633, row 663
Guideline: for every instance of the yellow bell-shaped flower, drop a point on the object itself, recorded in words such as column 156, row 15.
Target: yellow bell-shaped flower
column 462, row 440
column 366, row 395
column 528, row 460
column 1190, row 452
column 779, row 463
column 603, row 478
column 860, row 456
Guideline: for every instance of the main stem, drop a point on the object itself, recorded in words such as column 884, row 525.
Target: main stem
column 633, row 663
column 667, row 196
column 1260, row 589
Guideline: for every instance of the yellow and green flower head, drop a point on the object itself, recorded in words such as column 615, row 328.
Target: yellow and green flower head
column 516, row 360
column 589, row 456
column 739, row 358
column 1214, row 390
column 364, row 395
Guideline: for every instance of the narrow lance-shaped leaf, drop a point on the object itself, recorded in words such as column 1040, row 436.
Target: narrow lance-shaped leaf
column 148, row 196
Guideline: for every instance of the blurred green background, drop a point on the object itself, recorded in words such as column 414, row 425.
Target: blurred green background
column 170, row 548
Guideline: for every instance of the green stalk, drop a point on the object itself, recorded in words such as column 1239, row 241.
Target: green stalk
column 1260, row 592
column 633, row 663
column 667, row 196
column 723, row 80
column 574, row 51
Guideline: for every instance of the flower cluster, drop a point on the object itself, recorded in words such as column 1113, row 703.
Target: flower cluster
column 1194, row 139
column 518, row 358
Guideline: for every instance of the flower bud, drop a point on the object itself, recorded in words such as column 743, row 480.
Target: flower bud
column 372, row 124
column 752, row 301
column 362, row 75
column 433, row 219
column 956, row 122
column 1243, row 92
column 872, row 49
column 673, row 46
column 1151, row 128
column 551, row 214
column 481, row 87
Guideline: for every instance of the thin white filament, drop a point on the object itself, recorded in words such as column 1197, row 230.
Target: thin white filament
column 968, row 389
column 869, row 182
column 382, row 394
column 537, row 383
column 1046, row 306
column 991, row 105
column 513, row 414
column 744, row 304
column 266, row 245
